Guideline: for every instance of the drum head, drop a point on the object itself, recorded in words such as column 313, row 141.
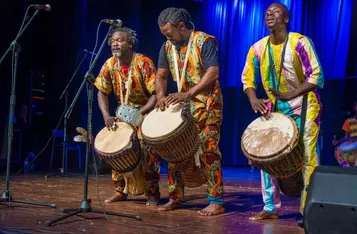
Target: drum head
column 110, row 142
column 348, row 146
column 160, row 123
column 265, row 138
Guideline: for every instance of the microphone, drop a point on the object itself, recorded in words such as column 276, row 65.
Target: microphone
column 46, row 7
column 116, row 22
column 90, row 52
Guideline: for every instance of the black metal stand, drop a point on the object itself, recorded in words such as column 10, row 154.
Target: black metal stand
column 85, row 206
column 16, row 48
column 62, row 171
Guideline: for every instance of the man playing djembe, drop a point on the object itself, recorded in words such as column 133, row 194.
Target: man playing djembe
column 290, row 71
column 131, row 76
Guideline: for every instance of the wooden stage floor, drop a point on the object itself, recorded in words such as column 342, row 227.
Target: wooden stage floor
column 242, row 197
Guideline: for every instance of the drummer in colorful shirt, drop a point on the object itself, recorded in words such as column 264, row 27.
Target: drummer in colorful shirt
column 301, row 74
column 350, row 129
column 131, row 77
column 200, row 83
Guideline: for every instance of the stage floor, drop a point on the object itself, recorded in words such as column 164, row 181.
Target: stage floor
column 242, row 197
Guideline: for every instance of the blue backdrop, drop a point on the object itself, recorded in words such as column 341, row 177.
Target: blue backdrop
column 237, row 24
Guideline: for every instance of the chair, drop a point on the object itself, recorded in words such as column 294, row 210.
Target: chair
column 59, row 134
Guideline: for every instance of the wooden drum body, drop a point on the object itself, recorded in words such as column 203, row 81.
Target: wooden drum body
column 173, row 135
column 120, row 148
column 272, row 143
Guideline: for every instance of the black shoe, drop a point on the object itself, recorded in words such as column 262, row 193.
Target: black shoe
column 301, row 223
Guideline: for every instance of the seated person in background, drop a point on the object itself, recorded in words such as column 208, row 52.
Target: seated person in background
column 346, row 154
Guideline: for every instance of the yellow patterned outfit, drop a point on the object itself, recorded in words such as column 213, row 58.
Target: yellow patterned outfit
column 301, row 64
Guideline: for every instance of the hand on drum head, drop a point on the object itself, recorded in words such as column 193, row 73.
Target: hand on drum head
column 335, row 142
column 260, row 105
column 175, row 98
column 161, row 103
column 110, row 122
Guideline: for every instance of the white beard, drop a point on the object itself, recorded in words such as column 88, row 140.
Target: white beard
column 117, row 54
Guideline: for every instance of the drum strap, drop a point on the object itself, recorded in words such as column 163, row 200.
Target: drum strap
column 179, row 79
column 129, row 82
column 276, row 86
column 272, row 65
column 303, row 116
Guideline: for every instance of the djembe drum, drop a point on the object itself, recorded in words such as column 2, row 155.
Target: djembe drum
column 173, row 135
column 120, row 148
column 272, row 143
column 347, row 152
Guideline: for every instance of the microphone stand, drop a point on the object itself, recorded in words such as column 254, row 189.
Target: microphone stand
column 62, row 171
column 16, row 48
column 85, row 206
column 322, row 123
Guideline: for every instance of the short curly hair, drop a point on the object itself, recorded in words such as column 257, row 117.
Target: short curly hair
column 132, row 36
column 174, row 16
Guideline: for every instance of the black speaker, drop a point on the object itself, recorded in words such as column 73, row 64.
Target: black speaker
column 331, row 202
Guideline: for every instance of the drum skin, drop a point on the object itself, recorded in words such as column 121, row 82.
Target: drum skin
column 173, row 135
column 272, row 144
column 121, row 150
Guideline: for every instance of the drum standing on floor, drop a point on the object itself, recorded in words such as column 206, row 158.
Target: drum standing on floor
column 120, row 148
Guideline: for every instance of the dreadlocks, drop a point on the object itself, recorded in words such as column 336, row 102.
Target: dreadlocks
column 174, row 16
column 131, row 35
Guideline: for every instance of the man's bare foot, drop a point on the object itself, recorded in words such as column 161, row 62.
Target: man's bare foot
column 264, row 215
column 212, row 209
column 116, row 198
column 152, row 201
column 171, row 205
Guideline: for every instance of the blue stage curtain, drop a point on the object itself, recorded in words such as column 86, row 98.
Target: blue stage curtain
column 238, row 24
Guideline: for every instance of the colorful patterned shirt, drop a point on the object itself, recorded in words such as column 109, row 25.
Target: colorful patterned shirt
column 143, row 84
column 350, row 126
column 193, row 75
column 301, row 64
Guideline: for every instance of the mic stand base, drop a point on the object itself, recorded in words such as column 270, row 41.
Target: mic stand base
column 86, row 208
column 6, row 198
column 61, row 172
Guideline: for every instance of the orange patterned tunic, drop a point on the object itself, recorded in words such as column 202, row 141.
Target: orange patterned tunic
column 142, row 88
column 206, row 109
column 143, row 84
